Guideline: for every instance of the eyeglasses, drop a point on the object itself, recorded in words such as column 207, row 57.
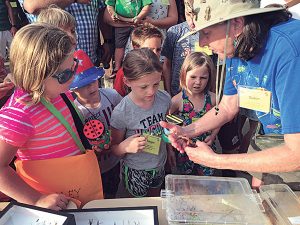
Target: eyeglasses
column 64, row 76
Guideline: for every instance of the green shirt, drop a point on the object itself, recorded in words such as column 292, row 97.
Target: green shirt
column 128, row 8
column 4, row 19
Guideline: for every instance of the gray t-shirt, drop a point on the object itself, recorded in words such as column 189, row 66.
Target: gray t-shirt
column 177, row 51
column 132, row 119
column 109, row 99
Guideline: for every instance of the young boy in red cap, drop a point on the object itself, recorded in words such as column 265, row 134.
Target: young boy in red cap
column 96, row 104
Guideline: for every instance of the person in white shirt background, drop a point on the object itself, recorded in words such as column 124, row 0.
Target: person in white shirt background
column 295, row 9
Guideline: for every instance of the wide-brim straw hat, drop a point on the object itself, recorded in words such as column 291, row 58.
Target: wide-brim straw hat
column 211, row 12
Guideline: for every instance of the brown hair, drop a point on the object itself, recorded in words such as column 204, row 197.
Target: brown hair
column 139, row 63
column 194, row 60
column 36, row 52
column 144, row 32
column 255, row 32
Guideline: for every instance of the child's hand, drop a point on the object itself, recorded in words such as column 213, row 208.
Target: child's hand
column 133, row 144
column 53, row 201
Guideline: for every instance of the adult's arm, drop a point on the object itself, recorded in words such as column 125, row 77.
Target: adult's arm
column 34, row 6
column 283, row 158
column 168, row 21
column 13, row 29
column 228, row 108
column 12, row 185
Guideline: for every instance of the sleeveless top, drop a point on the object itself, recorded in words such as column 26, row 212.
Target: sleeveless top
column 189, row 114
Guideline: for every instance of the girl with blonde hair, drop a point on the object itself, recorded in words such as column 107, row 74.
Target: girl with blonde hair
column 37, row 127
column 193, row 102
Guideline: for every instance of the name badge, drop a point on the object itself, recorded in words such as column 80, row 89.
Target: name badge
column 165, row 2
column 152, row 144
column 204, row 49
column 255, row 98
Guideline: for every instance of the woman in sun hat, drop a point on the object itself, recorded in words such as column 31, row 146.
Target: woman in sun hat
column 262, row 52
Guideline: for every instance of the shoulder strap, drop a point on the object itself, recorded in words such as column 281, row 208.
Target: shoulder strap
column 207, row 98
column 102, row 92
column 77, row 121
column 64, row 122
column 184, row 96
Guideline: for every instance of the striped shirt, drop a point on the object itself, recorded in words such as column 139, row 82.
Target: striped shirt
column 34, row 130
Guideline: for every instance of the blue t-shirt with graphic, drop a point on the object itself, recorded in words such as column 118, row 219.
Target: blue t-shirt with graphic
column 276, row 69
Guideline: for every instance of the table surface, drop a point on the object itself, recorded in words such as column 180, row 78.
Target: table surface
column 127, row 202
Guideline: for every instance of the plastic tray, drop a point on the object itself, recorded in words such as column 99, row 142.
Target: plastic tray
column 211, row 200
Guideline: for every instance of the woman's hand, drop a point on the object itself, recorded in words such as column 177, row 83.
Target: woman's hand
column 53, row 201
column 176, row 135
column 202, row 154
column 133, row 144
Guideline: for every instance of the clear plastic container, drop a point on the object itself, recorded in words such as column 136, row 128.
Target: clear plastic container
column 281, row 204
column 211, row 200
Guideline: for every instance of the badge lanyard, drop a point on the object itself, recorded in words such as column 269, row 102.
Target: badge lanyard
column 63, row 121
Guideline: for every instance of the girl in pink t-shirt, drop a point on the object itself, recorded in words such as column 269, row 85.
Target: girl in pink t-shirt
column 36, row 124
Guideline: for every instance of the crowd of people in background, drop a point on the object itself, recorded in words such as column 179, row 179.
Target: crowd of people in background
column 57, row 117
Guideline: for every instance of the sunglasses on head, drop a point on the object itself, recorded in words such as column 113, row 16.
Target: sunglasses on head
column 67, row 74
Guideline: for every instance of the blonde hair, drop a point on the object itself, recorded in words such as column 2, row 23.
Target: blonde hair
column 36, row 52
column 57, row 17
column 194, row 60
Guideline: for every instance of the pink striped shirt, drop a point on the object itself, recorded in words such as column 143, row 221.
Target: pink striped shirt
column 34, row 130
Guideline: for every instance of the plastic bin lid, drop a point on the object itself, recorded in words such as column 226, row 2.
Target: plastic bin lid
column 210, row 200
column 283, row 203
